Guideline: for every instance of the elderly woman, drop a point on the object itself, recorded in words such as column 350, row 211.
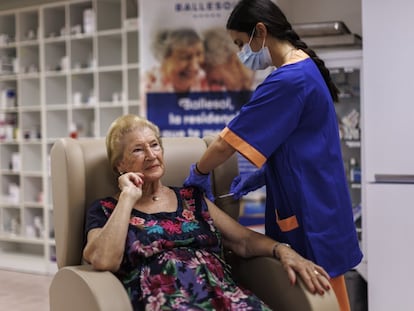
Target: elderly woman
column 165, row 244
column 180, row 53
column 224, row 71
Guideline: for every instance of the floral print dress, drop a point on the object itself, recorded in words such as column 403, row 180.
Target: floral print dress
column 173, row 260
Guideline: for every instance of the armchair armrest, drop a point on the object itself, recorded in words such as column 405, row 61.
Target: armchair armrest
column 266, row 277
column 83, row 289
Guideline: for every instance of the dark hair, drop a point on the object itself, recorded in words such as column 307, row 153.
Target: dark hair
column 247, row 13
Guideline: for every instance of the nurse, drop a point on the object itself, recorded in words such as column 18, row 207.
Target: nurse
column 290, row 125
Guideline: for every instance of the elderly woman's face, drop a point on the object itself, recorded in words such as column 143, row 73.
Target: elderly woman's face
column 225, row 76
column 142, row 153
column 183, row 65
column 232, row 75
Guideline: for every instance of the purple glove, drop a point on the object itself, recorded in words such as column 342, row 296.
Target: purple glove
column 246, row 183
column 201, row 181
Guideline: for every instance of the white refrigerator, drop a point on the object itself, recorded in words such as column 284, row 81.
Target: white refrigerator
column 388, row 152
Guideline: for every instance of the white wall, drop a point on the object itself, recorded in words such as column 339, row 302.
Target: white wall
column 389, row 149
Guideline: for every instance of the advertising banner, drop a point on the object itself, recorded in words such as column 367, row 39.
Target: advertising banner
column 191, row 81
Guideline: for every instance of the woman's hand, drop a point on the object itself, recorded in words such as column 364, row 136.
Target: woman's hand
column 315, row 277
column 131, row 184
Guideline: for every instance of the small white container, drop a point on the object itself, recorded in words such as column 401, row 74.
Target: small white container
column 15, row 161
column 88, row 21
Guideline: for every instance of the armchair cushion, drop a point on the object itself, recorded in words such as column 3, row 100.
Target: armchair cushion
column 266, row 277
column 83, row 289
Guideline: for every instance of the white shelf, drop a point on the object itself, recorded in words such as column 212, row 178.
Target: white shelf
column 346, row 71
column 353, row 143
column 356, row 186
column 8, row 237
column 23, row 262
column 64, row 72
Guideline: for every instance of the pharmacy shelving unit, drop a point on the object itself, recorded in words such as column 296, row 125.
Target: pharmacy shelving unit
column 66, row 69
column 345, row 65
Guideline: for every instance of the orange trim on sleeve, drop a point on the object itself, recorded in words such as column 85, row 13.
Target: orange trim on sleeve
column 248, row 151
column 287, row 224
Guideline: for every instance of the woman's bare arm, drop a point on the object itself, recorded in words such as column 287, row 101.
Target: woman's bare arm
column 105, row 246
column 248, row 243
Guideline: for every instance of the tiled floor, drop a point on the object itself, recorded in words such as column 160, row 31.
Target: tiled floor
column 24, row 291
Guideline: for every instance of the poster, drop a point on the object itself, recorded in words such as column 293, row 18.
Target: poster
column 191, row 80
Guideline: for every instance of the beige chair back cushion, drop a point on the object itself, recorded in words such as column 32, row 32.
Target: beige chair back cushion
column 81, row 173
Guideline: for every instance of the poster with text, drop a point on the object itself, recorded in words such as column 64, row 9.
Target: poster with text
column 191, row 81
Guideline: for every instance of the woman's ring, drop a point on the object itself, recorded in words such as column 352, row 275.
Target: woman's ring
column 316, row 272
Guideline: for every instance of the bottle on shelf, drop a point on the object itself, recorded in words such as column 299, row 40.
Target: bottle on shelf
column 354, row 171
column 73, row 130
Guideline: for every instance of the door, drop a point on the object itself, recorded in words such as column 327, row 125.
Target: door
column 390, row 239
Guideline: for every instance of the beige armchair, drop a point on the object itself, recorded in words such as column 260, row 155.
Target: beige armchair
column 80, row 173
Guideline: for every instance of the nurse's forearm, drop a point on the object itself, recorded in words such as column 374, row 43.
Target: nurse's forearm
column 217, row 153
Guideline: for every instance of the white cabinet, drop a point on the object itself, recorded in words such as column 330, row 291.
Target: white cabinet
column 389, row 150
column 389, row 87
column 66, row 68
column 390, row 239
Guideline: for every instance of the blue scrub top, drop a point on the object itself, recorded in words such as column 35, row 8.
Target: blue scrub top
column 290, row 123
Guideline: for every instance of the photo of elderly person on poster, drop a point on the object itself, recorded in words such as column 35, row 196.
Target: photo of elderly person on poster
column 180, row 54
column 224, row 71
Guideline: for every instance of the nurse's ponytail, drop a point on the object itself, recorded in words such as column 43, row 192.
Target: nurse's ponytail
column 294, row 39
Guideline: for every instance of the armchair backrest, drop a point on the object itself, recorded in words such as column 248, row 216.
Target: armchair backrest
column 81, row 173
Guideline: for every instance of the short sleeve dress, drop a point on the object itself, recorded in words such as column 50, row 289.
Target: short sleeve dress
column 173, row 260
column 290, row 124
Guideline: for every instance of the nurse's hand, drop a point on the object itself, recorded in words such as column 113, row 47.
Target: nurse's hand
column 246, row 183
column 201, row 181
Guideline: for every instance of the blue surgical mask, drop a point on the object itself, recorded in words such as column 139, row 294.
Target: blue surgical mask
column 255, row 60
